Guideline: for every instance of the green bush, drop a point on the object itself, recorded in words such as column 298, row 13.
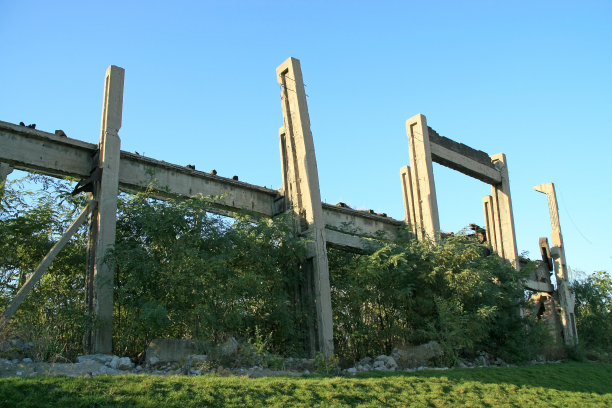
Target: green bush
column 593, row 311
column 183, row 272
column 413, row 292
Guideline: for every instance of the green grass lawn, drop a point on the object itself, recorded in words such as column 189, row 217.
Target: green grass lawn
column 551, row 385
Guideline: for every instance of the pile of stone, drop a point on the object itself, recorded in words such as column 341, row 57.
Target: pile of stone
column 15, row 348
column 166, row 357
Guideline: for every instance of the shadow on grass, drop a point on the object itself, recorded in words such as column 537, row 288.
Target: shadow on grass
column 569, row 376
column 423, row 388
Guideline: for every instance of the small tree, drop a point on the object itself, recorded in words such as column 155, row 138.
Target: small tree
column 594, row 310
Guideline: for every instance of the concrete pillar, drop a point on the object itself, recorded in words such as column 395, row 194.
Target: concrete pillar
column 487, row 204
column 104, row 218
column 503, row 218
column 301, row 187
column 5, row 170
column 408, row 195
column 566, row 299
column 423, row 186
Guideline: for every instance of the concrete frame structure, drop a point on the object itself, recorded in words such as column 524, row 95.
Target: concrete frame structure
column 324, row 225
column 321, row 224
column 566, row 299
column 419, row 191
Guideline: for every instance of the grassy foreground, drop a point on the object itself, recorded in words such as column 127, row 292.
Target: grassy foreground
column 551, row 385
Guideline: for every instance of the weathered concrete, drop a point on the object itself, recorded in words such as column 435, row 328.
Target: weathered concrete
column 544, row 307
column 105, row 192
column 5, row 170
column 426, row 146
column 566, row 299
column 503, row 217
column 137, row 173
column 43, row 152
column 162, row 351
column 301, row 187
column 359, row 223
column 423, row 186
column 464, row 159
column 29, row 149
column 408, row 195
column 487, row 204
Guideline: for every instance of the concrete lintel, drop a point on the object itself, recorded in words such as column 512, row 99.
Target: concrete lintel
column 464, row 164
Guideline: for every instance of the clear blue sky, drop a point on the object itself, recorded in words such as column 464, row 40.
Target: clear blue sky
column 530, row 79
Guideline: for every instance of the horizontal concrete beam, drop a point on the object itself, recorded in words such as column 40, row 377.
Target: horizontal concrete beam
column 29, row 149
column 462, row 158
column 360, row 223
column 137, row 172
column 346, row 242
column 539, row 286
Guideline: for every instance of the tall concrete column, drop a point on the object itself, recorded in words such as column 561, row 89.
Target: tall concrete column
column 503, row 218
column 566, row 299
column 423, row 186
column 408, row 195
column 301, row 180
column 104, row 218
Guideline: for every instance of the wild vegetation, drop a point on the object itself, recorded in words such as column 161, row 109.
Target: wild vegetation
column 183, row 272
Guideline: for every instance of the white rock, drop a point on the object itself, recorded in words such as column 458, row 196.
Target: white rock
column 27, row 360
column 352, row 370
column 108, row 370
column 101, row 358
column 124, row 363
column 306, row 372
column 19, row 373
column 391, row 363
column 114, row 363
column 381, row 368
column 378, row 364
